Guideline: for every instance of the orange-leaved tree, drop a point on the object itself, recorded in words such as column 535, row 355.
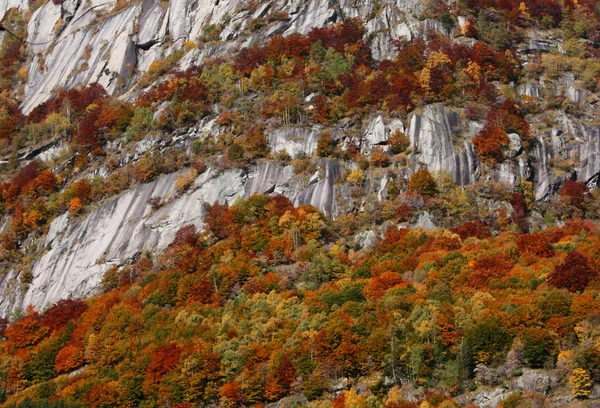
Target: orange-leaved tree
column 422, row 182
column 490, row 144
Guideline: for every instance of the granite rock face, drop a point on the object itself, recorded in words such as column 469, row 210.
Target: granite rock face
column 366, row 239
column 79, row 251
column 278, row 178
column 78, row 43
column 295, row 140
column 589, row 155
column 575, row 145
column 538, row 381
column 434, row 134
column 377, row 133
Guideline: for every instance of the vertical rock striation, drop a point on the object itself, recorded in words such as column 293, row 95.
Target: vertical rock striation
column 434, row 134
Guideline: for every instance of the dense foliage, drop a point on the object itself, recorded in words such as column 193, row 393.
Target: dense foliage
column 271, row 301
column 265, row 86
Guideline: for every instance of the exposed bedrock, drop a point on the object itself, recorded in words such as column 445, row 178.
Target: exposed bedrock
column 79, row 250
column 435, row 134
column 81, row 42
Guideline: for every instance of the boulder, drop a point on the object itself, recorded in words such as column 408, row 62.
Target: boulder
column 366, row 239
column 537, row 380
column 515, row 148
column 425, row 221
column 377, row 132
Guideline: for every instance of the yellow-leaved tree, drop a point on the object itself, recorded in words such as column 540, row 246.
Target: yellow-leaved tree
column 581, row 383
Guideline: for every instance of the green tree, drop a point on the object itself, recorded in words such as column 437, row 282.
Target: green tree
column 488, row 342
column 538, row 347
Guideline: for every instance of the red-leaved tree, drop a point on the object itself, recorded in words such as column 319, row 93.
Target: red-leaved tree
column 574, row 274
column 164, row 359
column 59, row 314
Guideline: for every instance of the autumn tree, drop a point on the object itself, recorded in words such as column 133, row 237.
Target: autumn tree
column 325, row 145
column 488, row 268
column 321, row 109
column 249, row 58
column 24, row 177
column 75, row 206
column 435, row 76
column 538, row 346
column 472, row 229
column 378, row 285
column 574, row 273
column 491, row 144
column 349, row 35
column 379, row 158
column 164, row 359
column 88, row 132
column 3, row 326
column 398, row 142
column 536, row 244
column 280, row 379
column 423, row 183
column 26, row 332
column 83, row 190
column 59, row 314
column 104, row 395
column 574, row 193
column 231, row 394
column 255, row 143
column 68, row 359
column 519, row 213
column 43, row 184
column 581, row 383
column 487, row 342
column 115, row 117
column 187, row 234
column 219, row 220
column 403, row 87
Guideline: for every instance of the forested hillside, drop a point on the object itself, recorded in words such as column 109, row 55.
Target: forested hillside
column 333, row 204
column 272, row 302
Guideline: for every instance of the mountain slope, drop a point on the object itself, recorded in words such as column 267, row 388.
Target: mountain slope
column 403, row 134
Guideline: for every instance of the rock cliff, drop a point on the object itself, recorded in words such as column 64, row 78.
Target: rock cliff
column 434, row 135
column 114, row 43
column 77, row 251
